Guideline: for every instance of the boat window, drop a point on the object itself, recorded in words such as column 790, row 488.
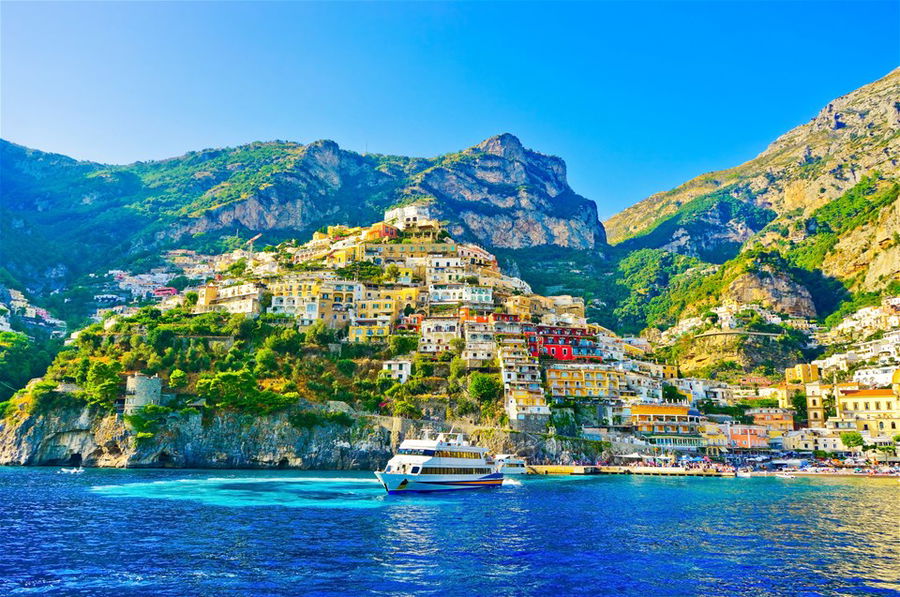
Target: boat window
column 415, row 470
column 415, row 452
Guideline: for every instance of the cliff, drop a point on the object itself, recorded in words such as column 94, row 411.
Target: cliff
column 88, row 437
column 804, row 169
column 772, row 290
column 92, row 438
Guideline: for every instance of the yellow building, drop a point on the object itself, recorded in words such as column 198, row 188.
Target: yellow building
column 342, row 257
column 671, row 425
column 334, row 299
column 402, row 296
column 714, row 436
column 801, row 374
column 379, row 307
column 875, row 411
column 382, row 253
column 370, row 330
column 584, row 380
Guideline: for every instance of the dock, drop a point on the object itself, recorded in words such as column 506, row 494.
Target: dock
column 658, row 471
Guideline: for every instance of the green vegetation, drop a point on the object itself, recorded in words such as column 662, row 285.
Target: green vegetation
column 484, row 387
column 852, row 439
column 698, row 217
column 857, row 207
column 19, row 362
column 646, row 273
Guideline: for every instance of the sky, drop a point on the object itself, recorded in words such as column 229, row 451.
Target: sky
column 637, row 97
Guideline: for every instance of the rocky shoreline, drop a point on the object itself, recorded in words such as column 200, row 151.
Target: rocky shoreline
column 85, row 437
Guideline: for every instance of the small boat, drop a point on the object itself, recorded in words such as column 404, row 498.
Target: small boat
column 510, row 464
column 786, row 476
column 439, row 463
column 72, row 471
column 743, row 474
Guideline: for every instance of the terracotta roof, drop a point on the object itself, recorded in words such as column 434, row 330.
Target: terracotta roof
column 884, row 392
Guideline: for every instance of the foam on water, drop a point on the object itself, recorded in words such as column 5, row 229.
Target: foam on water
column 288, row 491
column 294, row 492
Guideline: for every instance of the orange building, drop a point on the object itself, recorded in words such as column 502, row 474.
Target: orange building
column 381, row 230
column 748, row 437
column 777, row 421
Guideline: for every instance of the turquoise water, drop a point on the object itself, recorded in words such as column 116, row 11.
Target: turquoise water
column 176, row 532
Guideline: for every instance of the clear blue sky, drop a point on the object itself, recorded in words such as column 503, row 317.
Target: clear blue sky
column 636, row 97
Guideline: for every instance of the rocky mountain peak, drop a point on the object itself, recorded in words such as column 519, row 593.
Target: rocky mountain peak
column 505, row 145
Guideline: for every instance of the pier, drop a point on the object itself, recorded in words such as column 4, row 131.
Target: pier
column 659, row 471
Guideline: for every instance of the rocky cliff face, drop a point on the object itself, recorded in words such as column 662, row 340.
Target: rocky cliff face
column 869, row 255
column 772, row 290
column 697, row 353
column 507, row 196
column 800, row 171
column 80, row 436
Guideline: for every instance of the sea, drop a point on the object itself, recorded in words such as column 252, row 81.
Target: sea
column 222, row 533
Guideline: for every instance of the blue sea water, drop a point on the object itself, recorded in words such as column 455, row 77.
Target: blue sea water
column 180, row 532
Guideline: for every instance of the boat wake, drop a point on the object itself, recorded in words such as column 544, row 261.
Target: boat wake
column 511, row 482
column 237, row 491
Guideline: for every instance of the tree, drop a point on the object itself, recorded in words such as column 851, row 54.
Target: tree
column 403, row 408
column 319, row 334
column 484, row 387
column 346, row 367
column 457, row 345
column 671, row 394
column 798, row 401
column 178, row 378
column 852, row 439
column 402, row 344
column 102, row 384
column 457, row 367
column 266, row 361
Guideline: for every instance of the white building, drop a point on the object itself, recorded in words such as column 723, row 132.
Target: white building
column 874, row 377
column 437, row 332
column 409, row 215
column 399, row 369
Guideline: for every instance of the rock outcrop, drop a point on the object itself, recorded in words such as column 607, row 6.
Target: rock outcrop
column 772, row 290
column 82, row 436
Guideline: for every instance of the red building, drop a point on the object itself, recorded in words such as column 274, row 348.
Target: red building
column 562, row 343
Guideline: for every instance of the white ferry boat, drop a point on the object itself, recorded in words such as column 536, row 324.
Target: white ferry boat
column 510, row 464
column 439, row 463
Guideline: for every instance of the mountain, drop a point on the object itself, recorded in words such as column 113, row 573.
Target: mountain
column 714, row 215
column 809, row 224
column 62, row 219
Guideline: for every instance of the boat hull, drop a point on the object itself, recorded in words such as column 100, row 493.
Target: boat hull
column 404, row 483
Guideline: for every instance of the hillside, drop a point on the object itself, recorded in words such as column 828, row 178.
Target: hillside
column 62, row 219
column 714, row 215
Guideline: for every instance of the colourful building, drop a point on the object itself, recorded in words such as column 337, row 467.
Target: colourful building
column 370, row 330
column 801, row 374
column 747, row 437
column 777, row 421
column 585, row 381
column 874, row 411
column 675, row 426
